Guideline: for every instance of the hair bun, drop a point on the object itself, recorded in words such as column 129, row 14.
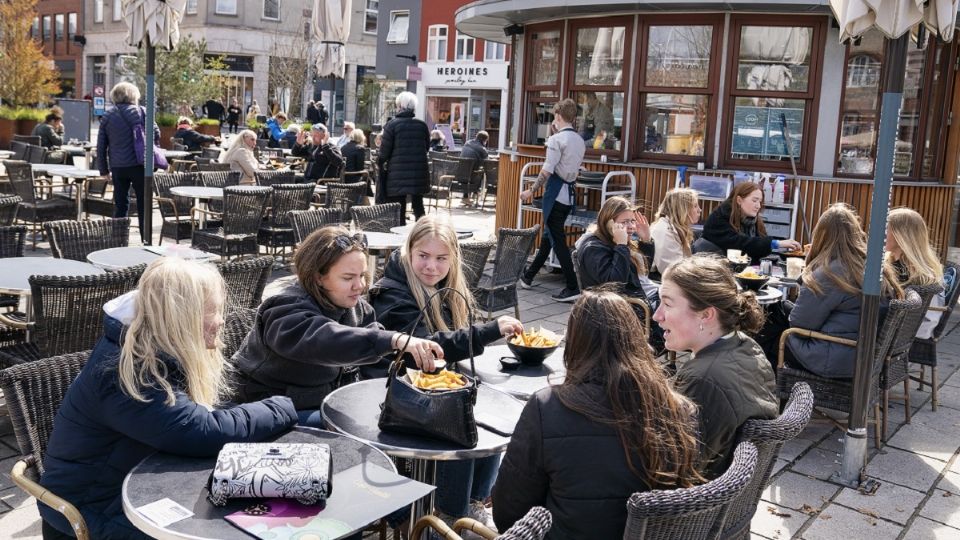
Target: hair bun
column 750, row 315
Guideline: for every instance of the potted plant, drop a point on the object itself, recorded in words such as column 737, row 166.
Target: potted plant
column 8, row 126
column 27, row 119
column 209, row 126
column 168, row 127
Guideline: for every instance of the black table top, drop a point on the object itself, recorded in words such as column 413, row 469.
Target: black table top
column 522, row 381
column 184, row 480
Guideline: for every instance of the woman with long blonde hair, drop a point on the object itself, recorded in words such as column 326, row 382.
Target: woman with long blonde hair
column 915, row 261
column 430, row 260
column 240, row 156
column 613, row 427
column 829, row 299
column 154, row 382
column 672, row 232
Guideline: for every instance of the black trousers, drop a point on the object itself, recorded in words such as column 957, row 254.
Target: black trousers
column 557, row 241
column 123, row 179
column 415, row 200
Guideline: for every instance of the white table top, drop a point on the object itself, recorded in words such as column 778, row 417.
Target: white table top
column 67, row 171
column 462, row 232
column 380, row 240
column 198, row 192
column 16, row 271
column 125, row 257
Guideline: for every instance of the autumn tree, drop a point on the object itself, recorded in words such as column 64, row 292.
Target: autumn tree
column 28, row 76
column 183, row 75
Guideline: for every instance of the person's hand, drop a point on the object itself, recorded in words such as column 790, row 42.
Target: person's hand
column 643, row 226
column 790, row 245
column 618, row 232
column 301, row 137
column 509, row 326
column 526, row 196
column 423, row 351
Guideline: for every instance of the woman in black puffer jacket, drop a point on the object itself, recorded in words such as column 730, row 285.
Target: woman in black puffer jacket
column 403, row 158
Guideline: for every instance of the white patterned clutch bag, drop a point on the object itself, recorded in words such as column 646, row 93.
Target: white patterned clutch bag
column 301, row 471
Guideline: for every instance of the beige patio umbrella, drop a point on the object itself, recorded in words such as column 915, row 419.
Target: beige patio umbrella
column 894, row 17
column 331, row 26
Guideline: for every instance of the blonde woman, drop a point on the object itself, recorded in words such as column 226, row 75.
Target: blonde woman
column 916, row 263
column 154, row 382
column 240, row 156
column 829, row 299
column 428, row 261
column 672, row 232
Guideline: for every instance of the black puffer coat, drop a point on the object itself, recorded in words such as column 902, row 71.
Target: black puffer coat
column 403, row 156
column 717, row 230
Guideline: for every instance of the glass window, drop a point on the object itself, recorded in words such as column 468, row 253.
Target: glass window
column 494, row 52
column 437, row 43
column 600, row 119
column 370, row 16
column 97, row 10
column 35, row 28
column 598, row 56
column 191, row 7
column 399, row 25
column 774, row 58
column 679, row 56
column 71, row 26
column 117, row 10
column 935, row 112
column 675, row 124
column 539, row 117
column 271, row 10
column 46, row 28
column 758, row 128
column 226, row 7
column 59, row 25
column 545, row 54
column 465, row 48
column 909, row 113
column 858, row 120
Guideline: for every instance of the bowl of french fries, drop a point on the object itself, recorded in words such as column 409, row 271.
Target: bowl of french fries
column 750, row 280
column 533, row 346
column 441, row 380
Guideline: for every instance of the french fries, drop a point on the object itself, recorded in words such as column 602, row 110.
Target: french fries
column 442, row 380
column 535, row 338
column 750, row 273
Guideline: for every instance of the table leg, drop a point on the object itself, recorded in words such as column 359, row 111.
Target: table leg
column 424, row 470
column 28, row 313
column 80, row 184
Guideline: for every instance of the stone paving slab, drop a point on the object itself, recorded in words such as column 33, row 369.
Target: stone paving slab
column 920, row 439
column 924, row 529
column 891, row 501
column 776, row 522
column 837, row 522
column 906, row 468
column 943, row 507
column 798, row 492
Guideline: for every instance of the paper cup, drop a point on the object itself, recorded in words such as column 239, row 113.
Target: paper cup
column 795, row 266
column 734, row 254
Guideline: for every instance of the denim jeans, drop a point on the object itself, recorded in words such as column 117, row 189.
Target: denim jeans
column 123, row 179
column 556, row 240
column 459, row 482
column 311, row 418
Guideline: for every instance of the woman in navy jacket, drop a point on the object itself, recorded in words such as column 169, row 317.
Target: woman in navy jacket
column 153, row 383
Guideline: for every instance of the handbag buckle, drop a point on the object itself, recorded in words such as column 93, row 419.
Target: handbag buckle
column 274, row 453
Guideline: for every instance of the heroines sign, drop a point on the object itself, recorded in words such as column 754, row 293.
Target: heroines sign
column 465, row 74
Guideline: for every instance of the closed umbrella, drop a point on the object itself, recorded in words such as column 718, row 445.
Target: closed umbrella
column 152, row 23
column 894, row 18
column 331, row 26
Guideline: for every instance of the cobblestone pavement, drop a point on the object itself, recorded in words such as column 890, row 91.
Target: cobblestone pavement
column 918, row 468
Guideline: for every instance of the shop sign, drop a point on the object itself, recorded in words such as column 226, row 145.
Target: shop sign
column 465, row 74
column 99, row 103
column 234, row 62
column 758, row 131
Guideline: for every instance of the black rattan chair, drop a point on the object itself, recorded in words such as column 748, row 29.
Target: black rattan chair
column 174, row 210
column 473, row 260
column 220, row 179
column 498, row 290
column 236, row 326
column 768, row 436
column 305, row 222
column 68, row 313
column 694, row 513
column 344, row 196
column 837, row 394
column 33, row 393
column 491, row 175
column 210, row 153
column 96, row 202
column 533, row 526
column 276, row 233
column 924, row 350
column 11, row 241
column 243, row 211
column 19, row 150
column 467, row 176
column 245, row 281
column 272, row 178
column 442, row 174
column 378, row 217
column 213, row 167
column 35, row 153
column 33, row 209
column 9, row 204
column 70, row 239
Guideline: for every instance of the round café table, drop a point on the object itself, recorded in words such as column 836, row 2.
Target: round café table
column 462, row 232
column 355, row 410
column 124, row 257
column 202, row 193
column 522, row 381
column 184, row 480
column 15, row 275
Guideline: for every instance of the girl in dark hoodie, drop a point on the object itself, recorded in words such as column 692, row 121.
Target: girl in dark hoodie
column 430, row 260
column 736, row 224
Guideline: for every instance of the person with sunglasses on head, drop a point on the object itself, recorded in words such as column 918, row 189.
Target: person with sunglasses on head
column 319, row 333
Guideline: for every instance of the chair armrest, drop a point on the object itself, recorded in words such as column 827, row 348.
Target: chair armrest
column 474, row 526
column 435, row 523
column 13, row 323
column 941, row 309
column 19, row 476
column 803, row 332
column 207, row 212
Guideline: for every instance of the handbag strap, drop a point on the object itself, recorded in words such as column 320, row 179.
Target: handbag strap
column 398, row 359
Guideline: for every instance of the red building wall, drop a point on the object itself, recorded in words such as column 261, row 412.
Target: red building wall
column 62, row 47
column 443, row 12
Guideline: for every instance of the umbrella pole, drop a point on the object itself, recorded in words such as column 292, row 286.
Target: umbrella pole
column 855, row 440
column 147, row 233
column 333, row 104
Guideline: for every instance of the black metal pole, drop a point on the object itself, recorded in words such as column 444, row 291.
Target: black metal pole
column 147, row 232
column 855, row 441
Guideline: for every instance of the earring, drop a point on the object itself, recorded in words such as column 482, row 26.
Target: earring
column 701, row 327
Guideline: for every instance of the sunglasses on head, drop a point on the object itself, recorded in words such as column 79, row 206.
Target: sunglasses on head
column 347, row 242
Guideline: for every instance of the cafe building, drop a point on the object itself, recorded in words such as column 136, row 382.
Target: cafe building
column 467, row 97
column 668, row 91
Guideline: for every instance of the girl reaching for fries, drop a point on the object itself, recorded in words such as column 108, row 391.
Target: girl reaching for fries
column 430, row 260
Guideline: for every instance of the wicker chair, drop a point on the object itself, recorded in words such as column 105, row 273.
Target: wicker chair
column 924, row 350
column 272, row 178
column 11, row 245
column 213, row 167
column 245, row 281
column 498, row 290
column 77, row 239
column 95, row 200
column 182, row 165
column 345, row 196
column 220, row 179
column 378, row 218
column 837, row 394
column 236, row 326
column 276, row 233
column 210, row 153
column 19, row 150
column 896, row 368
column 68, row 313
column 442, row 174
column 306, row 221
column 35, row 153
column 491, row 175
column 33, row 393
column 9, row 204
column 768, row 436
column 174, row 210
column 243, row 211
column 33, row 209
column 533, row 526
column 692, row 513
column 473, row 260
column 467, row 175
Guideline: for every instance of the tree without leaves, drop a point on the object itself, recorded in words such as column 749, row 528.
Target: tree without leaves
column 29, row 77
column 181, row 74
column 288, row 64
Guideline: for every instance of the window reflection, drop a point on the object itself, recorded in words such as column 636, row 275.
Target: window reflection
column 545, row 58
column 907, row 131
column 598, row 56
column 758, row 129
column 774, row 58
column 600, row 119
column 539, row 118
column 679, row 56
column 675, row 124
column 858, row 123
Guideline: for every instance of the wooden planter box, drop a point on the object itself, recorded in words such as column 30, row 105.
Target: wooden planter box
column 8, row 128
column 25, row 127
column 209, row 130
column 165, row 133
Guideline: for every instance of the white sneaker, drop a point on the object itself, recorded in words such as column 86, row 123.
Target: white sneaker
column 482, row 514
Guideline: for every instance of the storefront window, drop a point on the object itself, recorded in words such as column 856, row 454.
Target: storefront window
column 600, row 119
column 858, row 123
column 758, row 128
column 539, row 118
column 545, row 55
column 678, row 56
column 675, row 124
column 936, row 109
column 598, row 56
column 774, row 58
column 909, row 113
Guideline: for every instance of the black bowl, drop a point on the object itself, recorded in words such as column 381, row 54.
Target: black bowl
column 531, row 356
column 752, row 284
column 738, row 267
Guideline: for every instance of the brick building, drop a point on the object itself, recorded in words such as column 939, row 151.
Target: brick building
column 56, row 25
